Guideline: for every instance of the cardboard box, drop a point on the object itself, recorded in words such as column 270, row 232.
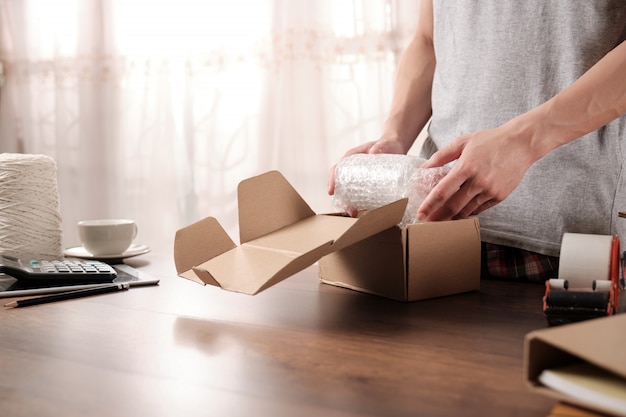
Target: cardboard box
column 598, row 342
column 424, row 260
column 280, row 235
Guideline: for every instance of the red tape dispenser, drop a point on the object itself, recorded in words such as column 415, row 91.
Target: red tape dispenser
column 588, row 285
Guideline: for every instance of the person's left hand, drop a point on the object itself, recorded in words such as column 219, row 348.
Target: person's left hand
column 489, row 166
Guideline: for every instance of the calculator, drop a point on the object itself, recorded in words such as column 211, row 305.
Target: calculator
column 60, row 270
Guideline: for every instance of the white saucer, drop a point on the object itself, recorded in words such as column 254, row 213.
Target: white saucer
column 133, row 250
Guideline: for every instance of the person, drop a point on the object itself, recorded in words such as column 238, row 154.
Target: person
column 526, row 103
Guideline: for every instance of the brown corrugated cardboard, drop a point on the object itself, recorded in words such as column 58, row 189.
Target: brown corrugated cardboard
column 281, row 235
column 599, row 342
column 425, row 260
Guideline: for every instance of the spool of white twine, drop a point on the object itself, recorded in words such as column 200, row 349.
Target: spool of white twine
column 30, row 219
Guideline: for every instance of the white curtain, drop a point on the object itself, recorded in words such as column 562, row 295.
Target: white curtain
column 156, row 109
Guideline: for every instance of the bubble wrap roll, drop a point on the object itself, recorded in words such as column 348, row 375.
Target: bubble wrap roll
column 366, row 182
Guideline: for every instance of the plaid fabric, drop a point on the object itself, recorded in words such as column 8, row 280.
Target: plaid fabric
column 512, row 264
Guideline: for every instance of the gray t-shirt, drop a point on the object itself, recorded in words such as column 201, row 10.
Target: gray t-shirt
column 497, row 59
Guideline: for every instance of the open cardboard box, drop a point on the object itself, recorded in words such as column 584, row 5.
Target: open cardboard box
column 423, row 260
column 281, row 235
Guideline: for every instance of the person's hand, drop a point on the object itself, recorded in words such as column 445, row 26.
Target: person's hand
column 489, row 166
column 373, row 147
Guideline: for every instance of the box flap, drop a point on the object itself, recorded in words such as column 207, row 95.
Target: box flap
column 198, row 243
column 273, row 199
column 250, row 269
column 263, row 262
column 373, row 221
column 280, row 236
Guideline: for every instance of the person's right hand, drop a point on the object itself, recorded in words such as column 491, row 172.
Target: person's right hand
column 373, row 147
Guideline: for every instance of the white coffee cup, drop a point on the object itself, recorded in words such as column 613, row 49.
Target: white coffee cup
column 107, row 237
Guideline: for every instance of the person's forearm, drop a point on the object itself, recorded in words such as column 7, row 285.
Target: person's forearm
column 595, row 99
column 411, row 104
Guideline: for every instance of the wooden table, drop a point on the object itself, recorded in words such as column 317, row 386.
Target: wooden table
column 298, row 349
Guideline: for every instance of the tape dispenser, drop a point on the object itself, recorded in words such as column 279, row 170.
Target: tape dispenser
column 589, row 281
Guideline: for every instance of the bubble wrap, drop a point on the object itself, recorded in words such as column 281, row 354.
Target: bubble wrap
column 366, row 182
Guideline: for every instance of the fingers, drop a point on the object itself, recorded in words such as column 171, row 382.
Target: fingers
column 439, row 203
column 486, row 205
column 445, row 203
column 374, row 147
column 457, row 196
column 379, row 147
column 475, row 207
column 445, row 155
column 352, row 212
column 364, row 148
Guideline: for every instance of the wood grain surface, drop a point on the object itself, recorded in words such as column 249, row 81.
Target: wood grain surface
column 298, row 349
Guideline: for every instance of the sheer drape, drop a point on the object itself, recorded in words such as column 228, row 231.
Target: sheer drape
column 155, row 110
